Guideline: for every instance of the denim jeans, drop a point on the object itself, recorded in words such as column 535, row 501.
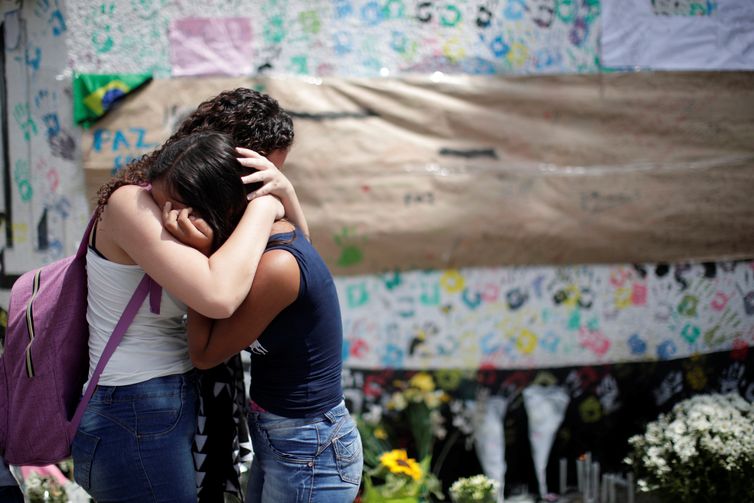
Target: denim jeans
column 134, row 442
column 312, row 460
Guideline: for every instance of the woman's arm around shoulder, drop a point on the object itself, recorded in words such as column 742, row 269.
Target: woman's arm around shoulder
column 276, row 286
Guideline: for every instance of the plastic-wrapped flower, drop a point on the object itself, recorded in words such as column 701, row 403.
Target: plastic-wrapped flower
column 44, row 489
column 397, row 461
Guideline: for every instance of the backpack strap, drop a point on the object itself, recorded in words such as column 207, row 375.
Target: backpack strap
column 145, row 287
column 155, row 296
column 85, row 240
column 155, row 290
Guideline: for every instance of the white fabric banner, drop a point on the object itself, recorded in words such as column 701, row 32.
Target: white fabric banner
column 704, row 36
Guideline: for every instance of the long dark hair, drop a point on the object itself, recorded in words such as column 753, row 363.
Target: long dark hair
column 201, row 170
column 252, row 119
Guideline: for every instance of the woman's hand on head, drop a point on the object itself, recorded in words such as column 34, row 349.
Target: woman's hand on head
column 273, row 180
column 273, row 183
column 188, row 229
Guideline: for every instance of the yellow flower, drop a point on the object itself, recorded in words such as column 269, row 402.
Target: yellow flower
column 398, row 462
column 397, row 402
column 432, row 400
column 380, row 433
column 422, row 381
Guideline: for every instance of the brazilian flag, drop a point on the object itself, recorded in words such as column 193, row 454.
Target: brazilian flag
column 95, row 94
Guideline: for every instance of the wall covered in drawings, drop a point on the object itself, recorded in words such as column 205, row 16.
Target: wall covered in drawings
column 44, row 205
column 335, row 37
column 445, row 305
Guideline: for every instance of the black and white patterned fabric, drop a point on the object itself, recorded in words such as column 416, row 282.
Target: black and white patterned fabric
column 221, row 443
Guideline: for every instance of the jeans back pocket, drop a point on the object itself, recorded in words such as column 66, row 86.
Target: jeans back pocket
column 296, row 444
column 158, row 415
column 82, row 451
column 348, row 453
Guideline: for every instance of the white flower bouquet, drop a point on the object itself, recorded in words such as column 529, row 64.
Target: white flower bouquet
column 701, row 451
column 476, row 489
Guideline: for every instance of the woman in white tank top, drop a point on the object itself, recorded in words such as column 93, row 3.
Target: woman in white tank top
column 134, row 441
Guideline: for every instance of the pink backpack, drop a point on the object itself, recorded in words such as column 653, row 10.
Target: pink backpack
column 46, row 358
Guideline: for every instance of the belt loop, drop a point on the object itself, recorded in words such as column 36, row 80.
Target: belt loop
column 330, row 416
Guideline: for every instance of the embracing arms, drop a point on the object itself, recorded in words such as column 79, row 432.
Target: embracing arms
column 132, row 228
column 275, row 287
column 214, row 286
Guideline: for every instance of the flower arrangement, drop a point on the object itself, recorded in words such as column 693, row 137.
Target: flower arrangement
column 408, row 425
column 400, row 479
column 44, row 489
column 701, row 451
column 476, row 489
column 417, row 401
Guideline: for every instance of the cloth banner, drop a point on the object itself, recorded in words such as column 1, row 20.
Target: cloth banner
column 678, row 35
column 459, row 171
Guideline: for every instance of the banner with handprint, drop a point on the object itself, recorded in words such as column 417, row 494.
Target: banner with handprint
column 534, row 317
column 354, row 38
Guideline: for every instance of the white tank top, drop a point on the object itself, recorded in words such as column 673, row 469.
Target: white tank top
column 154, row 345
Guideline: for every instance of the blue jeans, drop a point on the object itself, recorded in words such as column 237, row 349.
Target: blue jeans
column 134, row 442
column 312, row 460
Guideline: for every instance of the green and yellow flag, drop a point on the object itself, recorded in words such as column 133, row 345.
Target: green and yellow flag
column 95, row 94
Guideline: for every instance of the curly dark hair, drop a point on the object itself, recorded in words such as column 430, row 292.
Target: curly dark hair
column 252, row 119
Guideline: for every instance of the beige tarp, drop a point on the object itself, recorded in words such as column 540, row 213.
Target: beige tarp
column 451, row 171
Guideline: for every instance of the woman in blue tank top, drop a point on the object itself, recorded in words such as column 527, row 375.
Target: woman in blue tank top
column 306, row 445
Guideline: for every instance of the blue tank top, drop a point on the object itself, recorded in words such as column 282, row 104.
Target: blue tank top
column 296, row 363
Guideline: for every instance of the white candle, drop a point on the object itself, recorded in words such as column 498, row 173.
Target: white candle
column 587, row 480
column 563, row 475
column 630, row 487
column 595, row 480
column 588, row 476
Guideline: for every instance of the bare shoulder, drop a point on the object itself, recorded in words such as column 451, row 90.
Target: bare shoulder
column 279, row 263
column 131, row 216
column 279, row 268
column 128, row 195
column 131, row 203
column 129, row 219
